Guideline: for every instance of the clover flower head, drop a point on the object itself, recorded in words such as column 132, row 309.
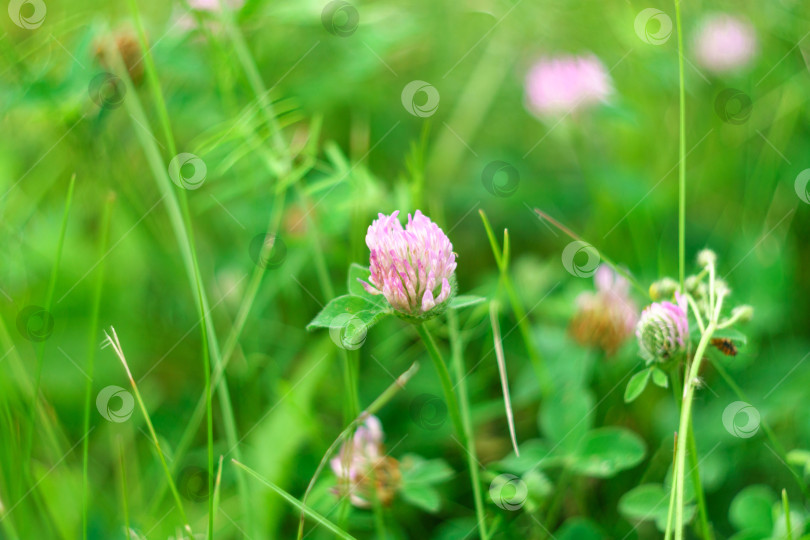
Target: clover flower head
column 413, row 267
column 361, row 464
column 663, row 329
column 606, row 317
column 564, row 84
column 725, row 43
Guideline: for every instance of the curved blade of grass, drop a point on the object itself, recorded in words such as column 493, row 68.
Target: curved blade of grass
column 502, row 260
column 91, row 353
column 113, row 342
column 312, row 514
column 507, row 402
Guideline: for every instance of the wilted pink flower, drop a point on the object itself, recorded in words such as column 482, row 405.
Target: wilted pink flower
column 605, row 318
column 663, row 329
column 412, row 267
column 564, row 84
column 725, row 43
column 361, row 464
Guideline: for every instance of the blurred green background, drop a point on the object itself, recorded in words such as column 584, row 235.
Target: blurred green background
column 302, row 132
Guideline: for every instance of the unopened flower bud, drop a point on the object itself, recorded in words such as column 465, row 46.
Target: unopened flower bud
column 742, row 313
column 663, row 329
column 663, row 289
column 706, row 257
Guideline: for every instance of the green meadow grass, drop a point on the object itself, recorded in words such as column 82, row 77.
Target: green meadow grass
column 157, row 377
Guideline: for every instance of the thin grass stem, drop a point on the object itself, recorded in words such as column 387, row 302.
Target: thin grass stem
column 681, row 154
column 92, row 342
column 312, row 514
column 48, row 306
column 112, row 341
column 502, row 260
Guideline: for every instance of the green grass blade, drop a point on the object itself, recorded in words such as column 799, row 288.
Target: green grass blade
column 91, row 353
column 113, row 342
column 312, row 514
column 48, row 306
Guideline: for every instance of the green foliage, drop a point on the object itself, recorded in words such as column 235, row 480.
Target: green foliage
column 305, row 139
column 419, row 480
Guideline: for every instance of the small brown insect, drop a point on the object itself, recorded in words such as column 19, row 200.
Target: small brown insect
column 725, row 346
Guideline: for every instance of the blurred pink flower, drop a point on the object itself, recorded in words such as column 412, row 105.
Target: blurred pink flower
column 213, row 5
column 605, row 318
column 725, row 43
column 186, row 22
column 361, row 461
column 412, row 267
column 564, row 84
column 663, row 329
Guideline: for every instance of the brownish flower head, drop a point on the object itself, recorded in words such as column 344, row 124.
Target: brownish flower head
column 606, row 317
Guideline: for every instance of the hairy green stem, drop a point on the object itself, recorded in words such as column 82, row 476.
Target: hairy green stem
column 444, row 379
column 703, row 515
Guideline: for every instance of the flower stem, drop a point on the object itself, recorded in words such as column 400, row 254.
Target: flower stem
column 457, row 348
column 444, row 378
column 681, row 154
column 677, row 494
column 677, row 391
